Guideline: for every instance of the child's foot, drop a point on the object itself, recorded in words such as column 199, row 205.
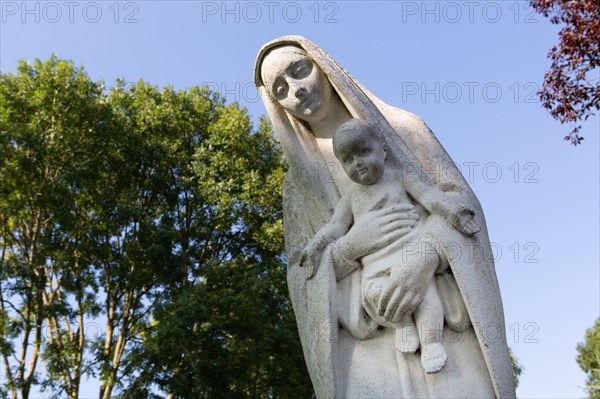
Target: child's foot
column 433, row 357
column 407, row 339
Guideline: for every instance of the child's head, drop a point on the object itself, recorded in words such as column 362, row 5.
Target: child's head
column 359, row 146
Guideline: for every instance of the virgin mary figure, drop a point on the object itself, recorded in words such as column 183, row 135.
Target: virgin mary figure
column 349, row 355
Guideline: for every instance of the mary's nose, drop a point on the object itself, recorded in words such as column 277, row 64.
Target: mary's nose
column 301, row 93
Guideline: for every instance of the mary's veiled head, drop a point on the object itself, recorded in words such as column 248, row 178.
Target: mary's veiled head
column 296, row 83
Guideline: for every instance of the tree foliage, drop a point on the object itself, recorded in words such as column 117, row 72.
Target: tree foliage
column 142, row 242
column 53, row 130
column 571, row 89
column 516, row 366
column 588, row 359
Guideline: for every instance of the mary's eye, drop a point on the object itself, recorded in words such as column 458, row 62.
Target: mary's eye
column 280, row 89
column 300, row 69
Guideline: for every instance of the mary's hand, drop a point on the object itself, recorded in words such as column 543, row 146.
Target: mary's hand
column 404, row 291
column 378, row 229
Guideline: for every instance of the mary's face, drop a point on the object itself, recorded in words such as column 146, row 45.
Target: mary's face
column 298, row 84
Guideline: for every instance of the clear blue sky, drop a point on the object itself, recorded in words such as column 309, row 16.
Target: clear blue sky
column 469, row 69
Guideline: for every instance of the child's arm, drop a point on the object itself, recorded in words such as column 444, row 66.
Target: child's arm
column 336, row 227
column 422, row 189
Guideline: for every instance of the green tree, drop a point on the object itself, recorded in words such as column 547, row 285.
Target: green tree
column 516, row 366
column 588, row 359
column 156, row 212
column 52, row 134
column 226, row 323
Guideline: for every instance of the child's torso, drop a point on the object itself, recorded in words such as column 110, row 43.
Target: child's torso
column 386, row 192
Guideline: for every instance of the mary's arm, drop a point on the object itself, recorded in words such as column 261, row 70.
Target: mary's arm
column 372, row 232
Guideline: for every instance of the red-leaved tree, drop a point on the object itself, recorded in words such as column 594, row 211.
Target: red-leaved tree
column 571, row 89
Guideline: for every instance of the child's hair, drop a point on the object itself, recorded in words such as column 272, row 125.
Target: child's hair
column 355, row 127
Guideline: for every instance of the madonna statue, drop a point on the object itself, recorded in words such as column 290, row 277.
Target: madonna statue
column 358, row 345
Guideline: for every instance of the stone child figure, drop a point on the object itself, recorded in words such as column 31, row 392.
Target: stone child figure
column 359, row 147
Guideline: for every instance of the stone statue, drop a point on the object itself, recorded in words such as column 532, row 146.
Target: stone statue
column 389, row 263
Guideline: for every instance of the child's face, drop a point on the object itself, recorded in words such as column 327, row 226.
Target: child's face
column 362, row 158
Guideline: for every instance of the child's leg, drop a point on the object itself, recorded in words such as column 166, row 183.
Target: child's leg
column 429, row 317
column 411, row 276
column 407, row 336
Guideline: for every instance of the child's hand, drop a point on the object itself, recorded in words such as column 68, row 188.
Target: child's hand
column 309, row 258
column 465, row 222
